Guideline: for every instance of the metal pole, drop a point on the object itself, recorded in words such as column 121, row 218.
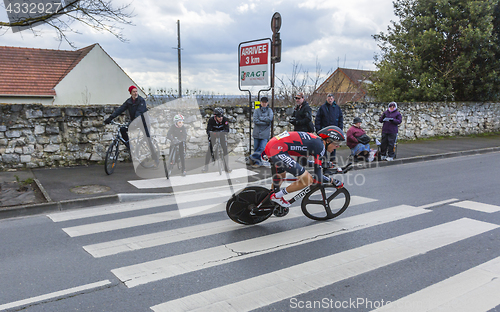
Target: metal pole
column 272, row 98
column 250, row 125
column 179, row 54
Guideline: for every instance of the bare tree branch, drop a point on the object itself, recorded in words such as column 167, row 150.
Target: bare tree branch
column 96, row 14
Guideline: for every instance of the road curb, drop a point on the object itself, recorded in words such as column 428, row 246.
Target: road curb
column 34, row 209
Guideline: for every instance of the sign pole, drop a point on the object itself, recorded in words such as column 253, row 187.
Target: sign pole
column 275, row 56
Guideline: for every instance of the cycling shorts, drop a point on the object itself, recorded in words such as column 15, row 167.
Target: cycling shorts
column 284, row 162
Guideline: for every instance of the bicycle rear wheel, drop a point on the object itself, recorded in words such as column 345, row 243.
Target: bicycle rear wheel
column 325, row 203
column 240, row 207
column 220, row 158
column 111, row 157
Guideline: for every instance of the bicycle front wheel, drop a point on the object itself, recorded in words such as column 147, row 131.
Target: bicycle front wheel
column 171, row 161
column 241, row 207
column 146, row 153
column 111, row 157
column 324, row 203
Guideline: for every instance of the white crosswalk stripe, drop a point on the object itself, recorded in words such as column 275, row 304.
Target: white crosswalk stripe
column 467, row 204
column 168, row 267
column 177, row 235
column 266, row 289
column 475, row 289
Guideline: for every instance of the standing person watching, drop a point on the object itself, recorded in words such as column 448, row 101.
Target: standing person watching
column 329, row 114
column 217, row 125
column 391, row 119
column 177, row 135
column 262, row 118
column 302, row 115
column 136, row 106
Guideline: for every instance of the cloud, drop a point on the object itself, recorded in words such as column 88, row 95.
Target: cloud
column 330, row 32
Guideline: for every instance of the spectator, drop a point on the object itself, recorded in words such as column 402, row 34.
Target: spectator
column 262, row 118
column 217, row 126
column 177, row 135
column 329, row 114
column 354, row 135
column 391, row 119
column 136, row 106
column 302, row 115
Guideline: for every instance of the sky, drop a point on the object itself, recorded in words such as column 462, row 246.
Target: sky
column 330, row 33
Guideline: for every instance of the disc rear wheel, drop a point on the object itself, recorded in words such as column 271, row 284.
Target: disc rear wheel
column 241, row 207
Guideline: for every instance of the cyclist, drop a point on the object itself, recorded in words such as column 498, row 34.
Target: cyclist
column 280, row 149
column 217, row 123
column 136, row 105
column 177, row 135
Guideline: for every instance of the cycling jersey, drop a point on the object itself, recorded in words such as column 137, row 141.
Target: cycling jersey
column 214, row 126
column 301, row 144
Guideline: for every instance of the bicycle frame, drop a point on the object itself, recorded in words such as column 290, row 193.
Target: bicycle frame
column 300, row 195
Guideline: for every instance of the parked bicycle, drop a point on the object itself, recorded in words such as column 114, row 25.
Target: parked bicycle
column 145, row 150
column 252, row 205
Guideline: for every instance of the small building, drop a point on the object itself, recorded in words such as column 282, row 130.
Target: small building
column 348, row 85
column 88, row 76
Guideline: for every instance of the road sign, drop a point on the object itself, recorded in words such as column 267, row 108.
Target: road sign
column 254, row 63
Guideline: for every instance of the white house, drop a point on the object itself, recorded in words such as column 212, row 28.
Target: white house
column 88, row 76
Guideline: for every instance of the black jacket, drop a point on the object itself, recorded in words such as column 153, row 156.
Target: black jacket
column 329, row 115
column 214, row 126
column 176, row 135
column 303, row 118
column 135, row 108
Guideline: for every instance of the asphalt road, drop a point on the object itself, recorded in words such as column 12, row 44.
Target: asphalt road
column 425, row 235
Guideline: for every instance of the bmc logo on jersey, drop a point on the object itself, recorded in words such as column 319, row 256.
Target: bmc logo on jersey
column 298, row 148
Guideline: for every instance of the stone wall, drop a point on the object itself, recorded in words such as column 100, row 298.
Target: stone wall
column 423, row 120
column 35, row 136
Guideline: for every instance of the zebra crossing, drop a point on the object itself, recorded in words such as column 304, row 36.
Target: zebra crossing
column 476, row 287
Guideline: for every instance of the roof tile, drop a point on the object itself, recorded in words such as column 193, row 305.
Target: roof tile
column 27, row 71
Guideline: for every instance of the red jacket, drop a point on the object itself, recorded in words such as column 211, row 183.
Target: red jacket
column 352, row 134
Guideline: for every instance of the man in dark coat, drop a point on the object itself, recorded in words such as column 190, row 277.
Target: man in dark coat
column 329, row 114
column 302, row 115
column 136, row 106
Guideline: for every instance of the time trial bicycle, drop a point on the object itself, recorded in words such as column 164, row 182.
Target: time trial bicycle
column 252, row 204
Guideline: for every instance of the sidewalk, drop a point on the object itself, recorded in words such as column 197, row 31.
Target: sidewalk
column 84, row 186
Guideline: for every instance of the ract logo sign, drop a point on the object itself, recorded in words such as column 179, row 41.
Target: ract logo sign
column 253, row 75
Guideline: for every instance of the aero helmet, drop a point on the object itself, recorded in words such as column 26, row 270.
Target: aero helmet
column 332, row 132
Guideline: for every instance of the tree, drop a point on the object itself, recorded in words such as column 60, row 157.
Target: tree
column 97, row 14
column 444, row 50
